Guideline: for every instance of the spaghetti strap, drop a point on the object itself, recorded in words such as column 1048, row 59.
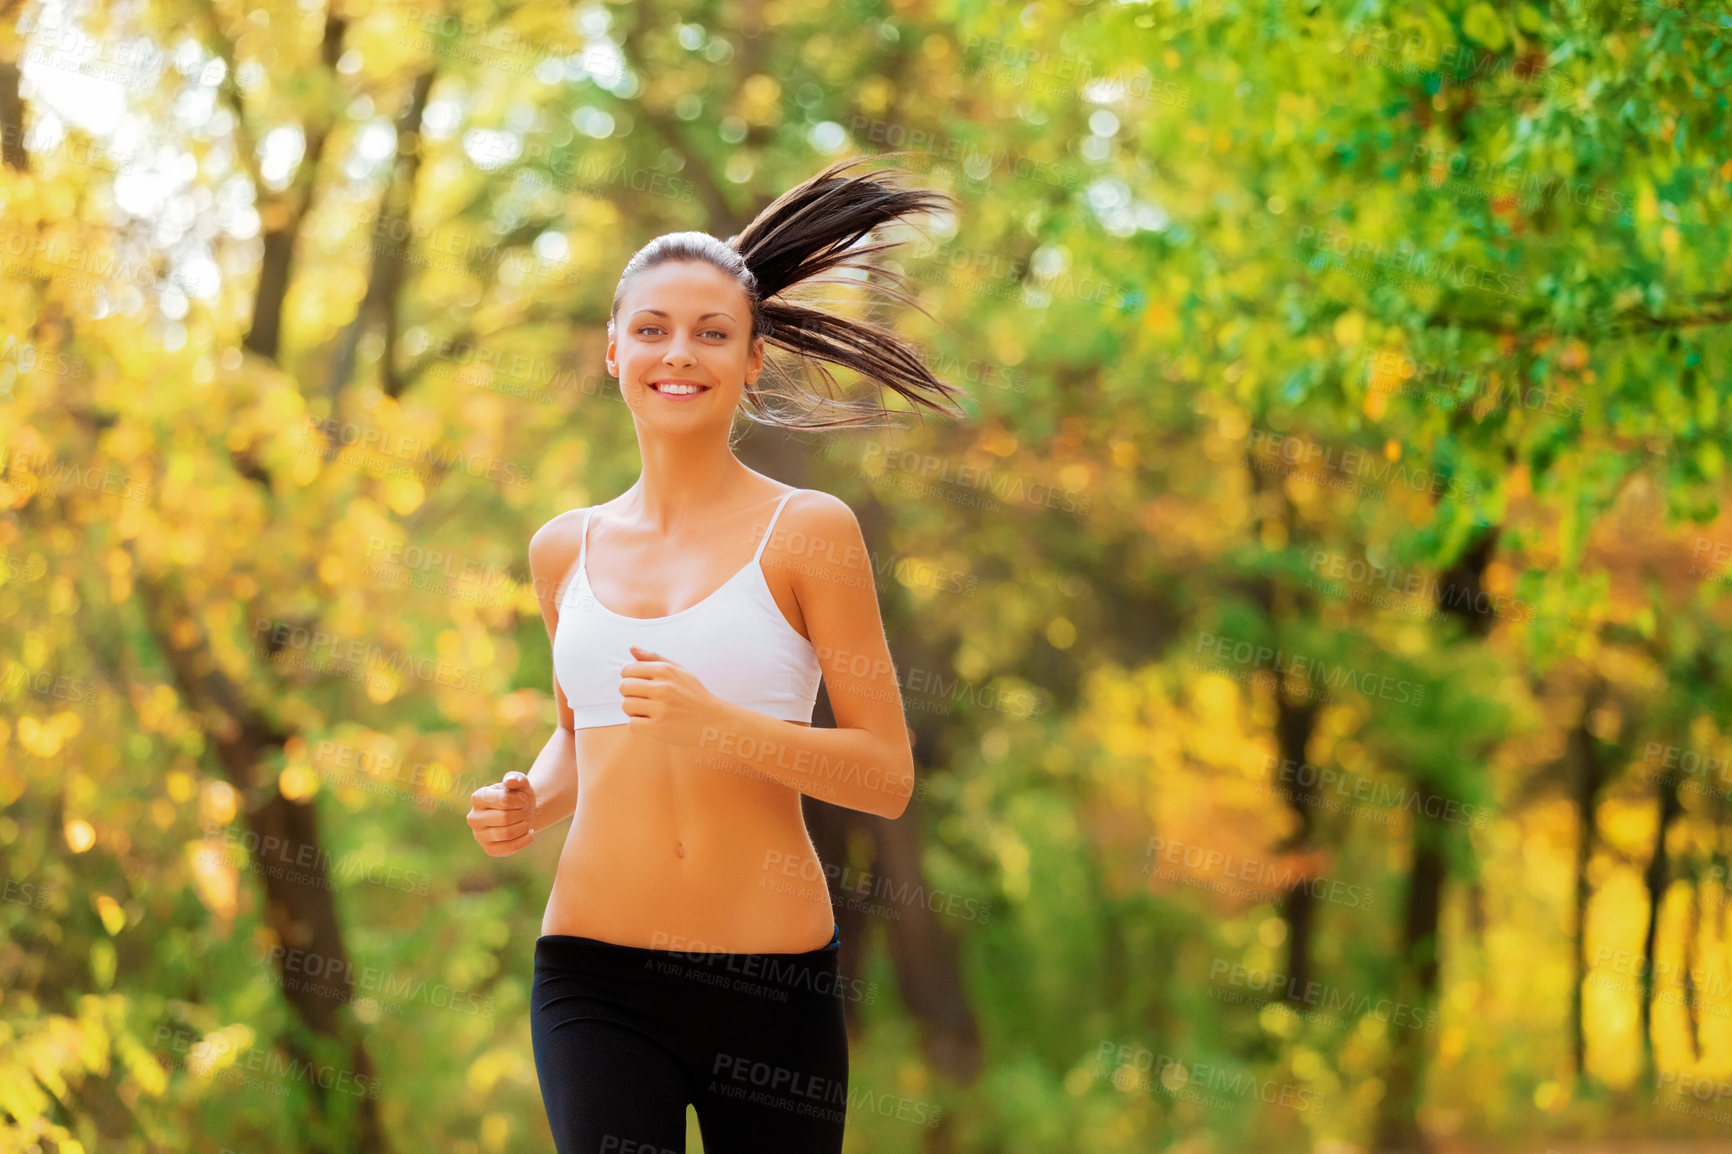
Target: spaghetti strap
column 578, row 572
column 736, row 640
column 771, row 528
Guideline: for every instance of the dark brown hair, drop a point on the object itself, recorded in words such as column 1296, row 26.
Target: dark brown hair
column 811, row 235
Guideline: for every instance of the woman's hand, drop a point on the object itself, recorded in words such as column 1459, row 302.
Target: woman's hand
column 499, row 815
column 666, row 700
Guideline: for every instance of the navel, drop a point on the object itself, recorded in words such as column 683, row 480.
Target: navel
column 680, row 848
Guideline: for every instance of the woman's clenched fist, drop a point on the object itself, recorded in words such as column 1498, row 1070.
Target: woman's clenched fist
column 499, row 815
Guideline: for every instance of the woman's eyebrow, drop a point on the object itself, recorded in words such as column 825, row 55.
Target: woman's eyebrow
column 659, row 313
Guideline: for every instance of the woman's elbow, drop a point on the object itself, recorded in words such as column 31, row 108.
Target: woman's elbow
column 898, row 790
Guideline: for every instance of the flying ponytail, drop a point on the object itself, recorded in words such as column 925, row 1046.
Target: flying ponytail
column 815, row 233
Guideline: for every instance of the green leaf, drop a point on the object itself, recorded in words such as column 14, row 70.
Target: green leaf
column 1482, row 23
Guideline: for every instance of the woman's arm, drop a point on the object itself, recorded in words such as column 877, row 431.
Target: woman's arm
column 554, row 776
column 867, row 761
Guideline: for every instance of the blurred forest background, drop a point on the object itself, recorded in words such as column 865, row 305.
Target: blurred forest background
column 1315, row 641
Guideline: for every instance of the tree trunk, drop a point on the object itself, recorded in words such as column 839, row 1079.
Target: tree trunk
column 923, row 952
column 300, row 907
column 1588, row 779
column 385, row 279
column 1460, row 586
column 12, row 152
column 1656, row 878
column 283, row 213
column 1295, row 721
column 1398, row 1130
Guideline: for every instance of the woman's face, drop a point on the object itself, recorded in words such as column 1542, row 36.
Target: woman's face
column 684, row 322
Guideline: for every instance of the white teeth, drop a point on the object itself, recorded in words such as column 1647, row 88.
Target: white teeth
column 677, row 390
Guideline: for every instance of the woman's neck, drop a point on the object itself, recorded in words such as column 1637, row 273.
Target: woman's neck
column 679, row 486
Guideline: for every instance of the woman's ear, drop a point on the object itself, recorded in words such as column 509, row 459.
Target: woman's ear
column 755, row 361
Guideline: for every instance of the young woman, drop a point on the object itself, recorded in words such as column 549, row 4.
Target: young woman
column 683, row 956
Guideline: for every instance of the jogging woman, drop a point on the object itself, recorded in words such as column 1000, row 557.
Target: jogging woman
column 684, row 954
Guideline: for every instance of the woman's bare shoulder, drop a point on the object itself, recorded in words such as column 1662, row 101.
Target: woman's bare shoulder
column 819, row 509
column 812, row 516
column 553, row 547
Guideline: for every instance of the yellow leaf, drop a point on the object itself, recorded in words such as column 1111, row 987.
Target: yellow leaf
column 113, row 917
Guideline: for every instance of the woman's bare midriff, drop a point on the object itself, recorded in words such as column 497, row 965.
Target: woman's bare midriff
column 673, row 848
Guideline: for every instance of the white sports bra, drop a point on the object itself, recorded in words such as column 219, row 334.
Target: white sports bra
column 735, row 640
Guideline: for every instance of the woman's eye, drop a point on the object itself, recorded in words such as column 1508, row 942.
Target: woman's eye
column 718, row 333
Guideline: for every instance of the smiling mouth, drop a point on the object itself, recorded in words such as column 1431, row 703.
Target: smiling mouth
column 678, row 388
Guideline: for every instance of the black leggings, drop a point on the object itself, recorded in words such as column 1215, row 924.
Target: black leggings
column 625, row 1037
